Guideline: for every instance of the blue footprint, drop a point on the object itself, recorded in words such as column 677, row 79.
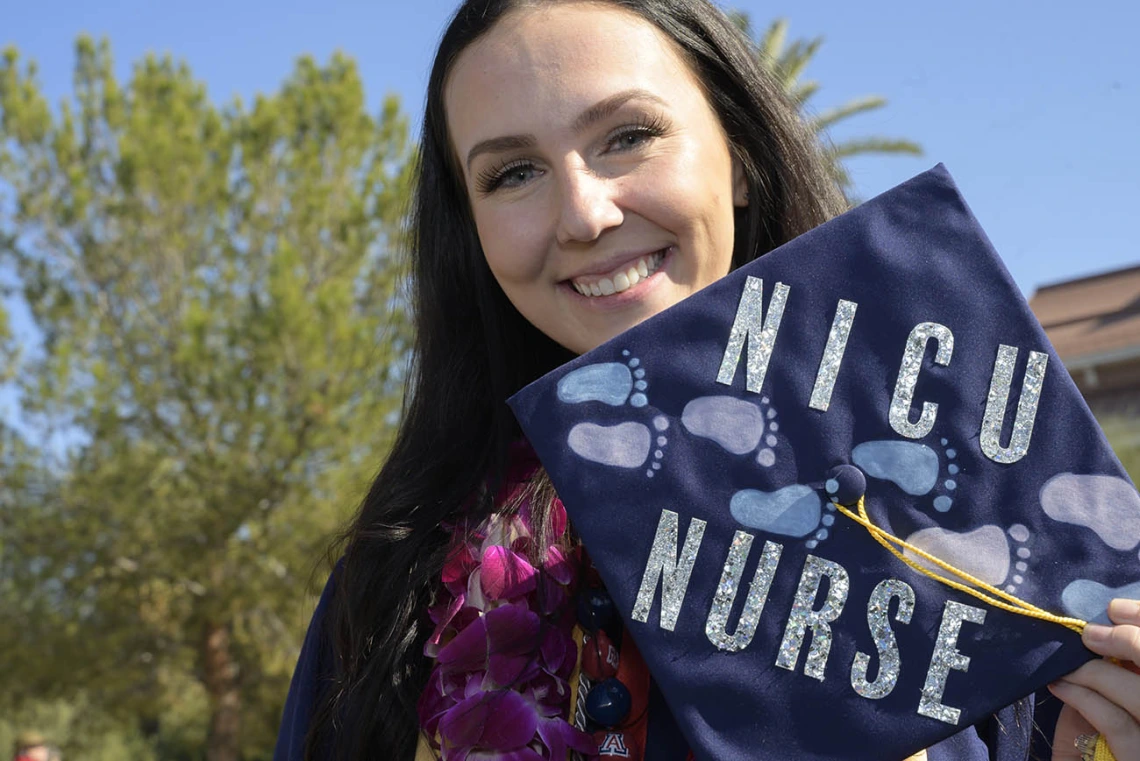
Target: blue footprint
column 1088, row 600
column 911, row 466
column 791, row 511
column 624, row 445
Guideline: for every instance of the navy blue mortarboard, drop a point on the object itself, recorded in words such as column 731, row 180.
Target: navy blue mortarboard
column 701, row 454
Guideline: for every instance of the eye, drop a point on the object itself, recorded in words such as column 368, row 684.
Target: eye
column 635, row 135
column 513, row 174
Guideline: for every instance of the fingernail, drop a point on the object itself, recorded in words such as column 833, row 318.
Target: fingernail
column 1121, row 608
column 1097, row 633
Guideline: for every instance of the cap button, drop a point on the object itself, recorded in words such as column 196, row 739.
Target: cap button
column 845, row 484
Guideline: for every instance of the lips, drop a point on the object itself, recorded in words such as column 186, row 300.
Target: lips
column 620, row 279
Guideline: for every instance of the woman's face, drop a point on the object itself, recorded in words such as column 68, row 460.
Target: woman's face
column 599, row 177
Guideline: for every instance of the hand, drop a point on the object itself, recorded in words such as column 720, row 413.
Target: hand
column 1102, row 696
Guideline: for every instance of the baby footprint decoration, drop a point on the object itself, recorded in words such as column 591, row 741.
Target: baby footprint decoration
column 625, row 444
column 911, row 466
column 1088, row 600
column 984, row 552
column 737, row 426
column 615, row 384
column 1109, row 507
column 1106, row 505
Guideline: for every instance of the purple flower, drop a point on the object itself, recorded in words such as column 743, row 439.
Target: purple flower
column 502, row 643
column 505, row 575
column 500, row 720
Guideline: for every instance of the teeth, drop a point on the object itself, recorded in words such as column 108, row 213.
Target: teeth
column 622, row 281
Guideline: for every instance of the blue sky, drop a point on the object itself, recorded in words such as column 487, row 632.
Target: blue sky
column 1033, row 106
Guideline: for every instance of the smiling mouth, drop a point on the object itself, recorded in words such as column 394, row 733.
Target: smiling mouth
column 621, row 279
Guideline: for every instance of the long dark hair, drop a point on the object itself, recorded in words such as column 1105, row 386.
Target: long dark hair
column 473, row 350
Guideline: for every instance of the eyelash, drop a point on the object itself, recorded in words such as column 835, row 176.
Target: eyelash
column 490, row 180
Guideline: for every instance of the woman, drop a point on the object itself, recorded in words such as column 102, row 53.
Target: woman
column 584, row 165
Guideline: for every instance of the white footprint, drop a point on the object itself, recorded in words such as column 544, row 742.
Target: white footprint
column 737, row 426
column 1108, row 506
column 984, row 553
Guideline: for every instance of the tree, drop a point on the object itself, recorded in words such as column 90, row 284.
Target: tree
column 217, row 294
column 787, row 63
column 1123, row 433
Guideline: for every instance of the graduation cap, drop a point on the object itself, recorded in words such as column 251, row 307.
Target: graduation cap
column 713, row 458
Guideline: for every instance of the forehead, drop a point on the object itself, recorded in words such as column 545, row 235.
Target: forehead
column 544, row 66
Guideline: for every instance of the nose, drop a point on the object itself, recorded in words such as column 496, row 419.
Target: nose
column 589, row 206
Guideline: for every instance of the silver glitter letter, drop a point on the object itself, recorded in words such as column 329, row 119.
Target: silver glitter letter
column 716, row 629
column 665, row 567
column 832, row 355
column 908, row 376
column 946, row 657
column 1026, row 406
column 802, row 616
column 877, row 608
column 760, row 332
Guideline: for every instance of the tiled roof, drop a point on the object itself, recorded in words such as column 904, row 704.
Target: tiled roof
column 1094, row 318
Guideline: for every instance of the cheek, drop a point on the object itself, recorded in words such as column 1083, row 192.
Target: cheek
column 512, row 245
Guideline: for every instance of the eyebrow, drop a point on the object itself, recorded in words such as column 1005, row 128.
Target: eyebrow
column 592, row 115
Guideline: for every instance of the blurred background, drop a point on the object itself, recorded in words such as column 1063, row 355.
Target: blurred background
column 201, row 333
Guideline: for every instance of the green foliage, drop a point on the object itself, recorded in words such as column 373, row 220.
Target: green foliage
column 78, row 728
column 218, row 293
column 1124, row 435
column 787, row 62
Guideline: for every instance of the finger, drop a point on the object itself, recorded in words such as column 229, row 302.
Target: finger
column 1121, row 641
column 1122, row 611
column 1070, row 725
column 1120, row 730
column 1114, row 683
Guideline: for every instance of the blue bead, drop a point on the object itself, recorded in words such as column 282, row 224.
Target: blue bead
column 608, row 703
column 595, row 609
column 849, row 482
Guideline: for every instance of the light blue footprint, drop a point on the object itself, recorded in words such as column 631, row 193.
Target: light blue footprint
column 791, row 511
column 911, row 466
column 1088, row 600
column 609, row 383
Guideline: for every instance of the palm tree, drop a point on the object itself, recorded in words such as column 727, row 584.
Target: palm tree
column 787, row 62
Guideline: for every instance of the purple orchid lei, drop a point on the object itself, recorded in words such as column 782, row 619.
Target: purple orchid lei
column 503, row 644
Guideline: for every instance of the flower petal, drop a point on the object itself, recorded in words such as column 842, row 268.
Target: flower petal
column 559, row 566
column 558, row 736
column 501, row 720
column 557, row 519
column 505, row 575
column 510, row 630
column 511, row 723
column 519, row 754
column 433, row 703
